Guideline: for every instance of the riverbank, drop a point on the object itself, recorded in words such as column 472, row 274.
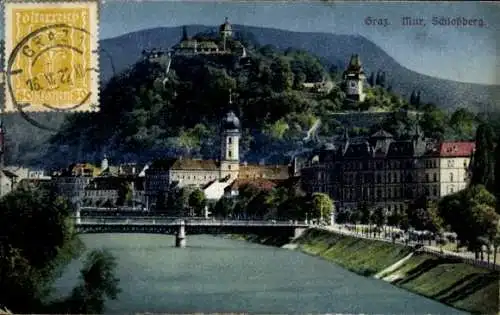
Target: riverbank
column 462, row 286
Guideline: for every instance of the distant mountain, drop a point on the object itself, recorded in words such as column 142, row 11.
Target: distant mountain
column 333, row 49
column 27, row 143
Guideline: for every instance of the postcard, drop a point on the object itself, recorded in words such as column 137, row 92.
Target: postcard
column 249, row 157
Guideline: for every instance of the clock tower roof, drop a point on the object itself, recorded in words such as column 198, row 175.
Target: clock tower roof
column 355, row 67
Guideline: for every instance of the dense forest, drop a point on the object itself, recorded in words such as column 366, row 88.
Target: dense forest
column 146, row 113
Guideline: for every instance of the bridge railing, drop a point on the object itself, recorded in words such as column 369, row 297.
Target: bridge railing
column 177, row 221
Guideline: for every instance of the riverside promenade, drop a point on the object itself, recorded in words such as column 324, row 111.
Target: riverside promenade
column 466, row 257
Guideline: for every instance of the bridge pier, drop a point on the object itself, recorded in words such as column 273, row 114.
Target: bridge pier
column 180, row 237
column 298, row 232
column 78, row 219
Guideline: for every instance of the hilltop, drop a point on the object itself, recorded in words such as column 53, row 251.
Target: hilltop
column 121, row 57
column 332, row 49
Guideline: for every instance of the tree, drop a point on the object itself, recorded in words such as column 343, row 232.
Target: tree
column 433, row 121
column 394, row 219
column 482, row 162
column 496, row 191
column 379, row 217
column 413, row 98
column 371, row 79
column 224, row 207
column 418, row 101
column 282, row 75
column 257, row 207
column 364, row 213
column 29, row 263
column 382, row 82
column 184, row 33
column 177, row 200
column 463, row 124
column 124, row 193
column 322, row 206
column 197, row 202
column 275, row 200
column 495, row 241
column 98, row 283
column 470, row 213
column 298, row 80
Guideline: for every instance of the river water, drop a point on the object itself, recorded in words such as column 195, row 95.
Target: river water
column 214, row 274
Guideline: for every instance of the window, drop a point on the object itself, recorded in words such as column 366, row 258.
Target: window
column 435, row 177
column 230, row 154
column 451, row 189
column 353, row 84
column 451, row 163
column 389, row 178
column 229, row 167
column 451, row 177
column 427, row 178
column 229, row 140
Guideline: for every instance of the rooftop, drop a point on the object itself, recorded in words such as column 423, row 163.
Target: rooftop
column 457, row 149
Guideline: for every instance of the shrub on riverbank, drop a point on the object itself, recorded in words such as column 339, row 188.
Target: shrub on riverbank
column 451, row 282
column 37, row 241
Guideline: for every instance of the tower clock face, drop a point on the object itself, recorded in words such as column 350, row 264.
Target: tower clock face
column 353, row 84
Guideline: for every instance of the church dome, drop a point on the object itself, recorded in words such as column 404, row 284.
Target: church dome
column 230, row 122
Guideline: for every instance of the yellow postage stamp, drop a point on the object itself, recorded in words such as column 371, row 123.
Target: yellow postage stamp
column 51, row 56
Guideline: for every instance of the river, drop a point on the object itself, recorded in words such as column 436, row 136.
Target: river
column 215, row 274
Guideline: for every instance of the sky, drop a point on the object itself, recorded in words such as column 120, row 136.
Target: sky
column 467, row 54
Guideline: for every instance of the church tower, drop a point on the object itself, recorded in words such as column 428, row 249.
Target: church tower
column 104, row 163
column 226, row 32
column 354, row 78
column 230, row 142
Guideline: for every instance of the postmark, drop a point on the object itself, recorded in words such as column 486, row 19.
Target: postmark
column 51, row 56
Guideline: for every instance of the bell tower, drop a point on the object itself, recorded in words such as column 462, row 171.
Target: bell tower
column 230, row 142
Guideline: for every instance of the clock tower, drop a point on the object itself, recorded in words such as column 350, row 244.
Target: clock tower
column 354, row 78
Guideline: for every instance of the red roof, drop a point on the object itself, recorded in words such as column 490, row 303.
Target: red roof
column 456, row 149
column 261, row 183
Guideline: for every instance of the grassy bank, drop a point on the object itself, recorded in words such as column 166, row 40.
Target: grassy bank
column 459, row 285
column 469, row 288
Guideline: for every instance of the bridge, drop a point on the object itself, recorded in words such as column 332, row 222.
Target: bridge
column 180, row 227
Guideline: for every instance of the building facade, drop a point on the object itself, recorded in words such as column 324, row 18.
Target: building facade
column 385, row 172
column 200, row 173
column 454, row 160
column 221, row 45
column 71, row 182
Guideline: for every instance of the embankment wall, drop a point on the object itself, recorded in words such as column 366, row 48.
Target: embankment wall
column 452, row 282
